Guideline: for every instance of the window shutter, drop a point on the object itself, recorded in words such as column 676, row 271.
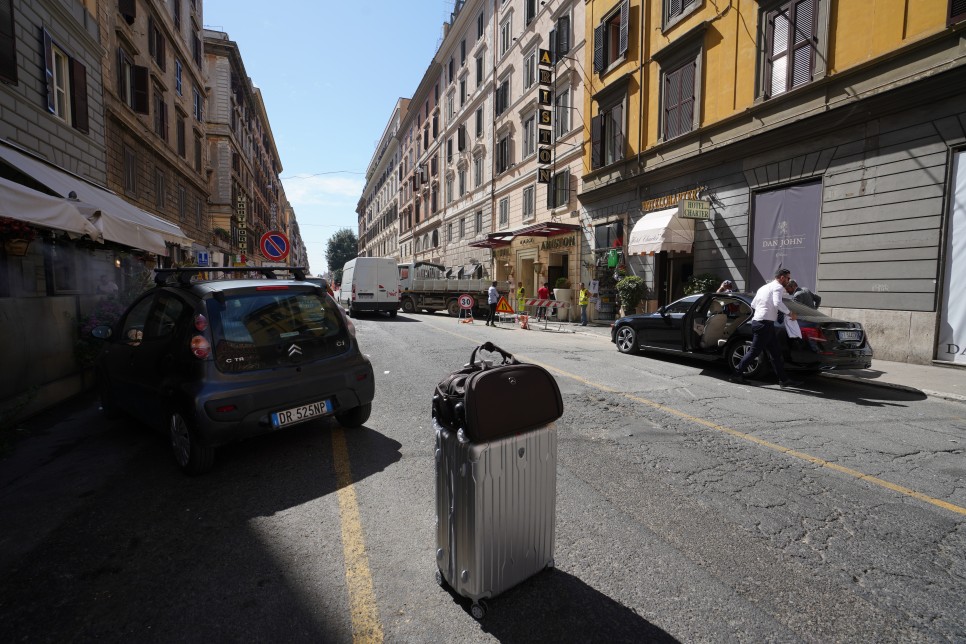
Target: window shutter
column 128, row 10
column 8, row 43
column 670, row 104
column 957, row 11
column 615, row 131
column 673, row 8
column 140, row 89
column 563, row 36
column 625, row 19
column 552, row 40
column 687, row 97
column 152, row 38
column 461, row 138
column 551, row 192
column 531, row 10
column 595, row 140
column 49, row 68
column 78, row 96
column 562, row 185
column 599, row 49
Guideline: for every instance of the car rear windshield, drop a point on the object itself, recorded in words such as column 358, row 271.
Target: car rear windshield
column 270, row 328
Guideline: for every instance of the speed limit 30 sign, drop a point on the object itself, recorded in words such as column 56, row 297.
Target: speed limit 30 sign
column 466, row 301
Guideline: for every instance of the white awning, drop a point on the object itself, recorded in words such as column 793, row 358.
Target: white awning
column 20, row 202
column 112, row 216
column 661, row 231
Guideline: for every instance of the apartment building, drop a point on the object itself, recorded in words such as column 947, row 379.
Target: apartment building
column 246, row 197
column 378, row 207
column 154, row 103
column 826, row 137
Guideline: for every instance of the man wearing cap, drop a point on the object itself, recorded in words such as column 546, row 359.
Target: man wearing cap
column 767, row 304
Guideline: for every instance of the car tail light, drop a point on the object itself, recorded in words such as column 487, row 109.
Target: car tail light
column 225, row 409
column 353, row 292
column 271, row 288
column 813, row 333
column 200, row 347
column 201, row 322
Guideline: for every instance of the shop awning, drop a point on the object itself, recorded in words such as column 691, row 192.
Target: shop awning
column 661, row 231
column 115, row 219
column 20, row 202
column 493, row 240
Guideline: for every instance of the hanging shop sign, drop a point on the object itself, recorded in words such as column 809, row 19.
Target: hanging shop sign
column 241, row 222
column 694, row 209
column 669, row 201
column 545, row 117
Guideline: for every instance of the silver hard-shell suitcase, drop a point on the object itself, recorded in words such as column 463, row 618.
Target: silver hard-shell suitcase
column 495, row 511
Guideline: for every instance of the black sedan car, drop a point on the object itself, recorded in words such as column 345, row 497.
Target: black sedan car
column 211, row 361
column 717, row 326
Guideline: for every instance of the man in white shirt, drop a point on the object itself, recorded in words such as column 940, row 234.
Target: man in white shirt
column 767, row 304
column 492, row 298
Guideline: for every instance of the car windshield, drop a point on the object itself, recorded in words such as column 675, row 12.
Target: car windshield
column 256, row 330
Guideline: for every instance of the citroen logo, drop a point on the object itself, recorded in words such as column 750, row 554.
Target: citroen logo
column 294, row 350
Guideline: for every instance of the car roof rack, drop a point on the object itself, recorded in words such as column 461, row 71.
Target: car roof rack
column 185, row 274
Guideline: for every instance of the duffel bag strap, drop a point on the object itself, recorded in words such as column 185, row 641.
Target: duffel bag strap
column 492, row 348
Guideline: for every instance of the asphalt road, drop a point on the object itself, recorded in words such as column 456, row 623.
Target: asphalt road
column 688, row 509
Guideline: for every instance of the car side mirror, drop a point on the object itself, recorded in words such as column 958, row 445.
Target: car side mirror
column 663, row 311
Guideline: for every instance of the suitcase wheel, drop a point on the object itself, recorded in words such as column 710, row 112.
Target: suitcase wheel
column 478, row 610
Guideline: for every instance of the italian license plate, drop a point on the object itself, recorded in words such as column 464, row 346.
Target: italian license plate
column 850, row 336
column 365, row 296
column 301, row 414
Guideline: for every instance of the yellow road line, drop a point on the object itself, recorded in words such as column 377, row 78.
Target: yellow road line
column 874, row 480
column 362, row 598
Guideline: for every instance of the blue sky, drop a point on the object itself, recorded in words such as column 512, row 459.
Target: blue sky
column 330, row 74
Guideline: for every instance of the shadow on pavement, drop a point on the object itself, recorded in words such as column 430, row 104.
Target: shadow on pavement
column 555, row 606
column 149, row 554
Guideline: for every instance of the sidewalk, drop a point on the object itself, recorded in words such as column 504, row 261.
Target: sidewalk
column 934, row 380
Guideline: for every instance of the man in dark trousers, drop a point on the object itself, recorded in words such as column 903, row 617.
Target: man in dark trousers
column 492, row 298
column 767, row 304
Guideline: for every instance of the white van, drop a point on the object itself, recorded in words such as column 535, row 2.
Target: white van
column 370, row 284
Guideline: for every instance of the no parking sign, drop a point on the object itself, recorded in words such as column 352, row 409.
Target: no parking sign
column 274, row 245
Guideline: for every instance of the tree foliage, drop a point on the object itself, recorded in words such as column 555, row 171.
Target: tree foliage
column 342, row 246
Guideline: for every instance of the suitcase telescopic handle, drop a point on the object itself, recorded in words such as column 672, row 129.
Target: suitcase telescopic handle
column 492, row 348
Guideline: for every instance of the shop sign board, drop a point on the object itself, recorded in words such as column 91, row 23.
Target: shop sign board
column 694, row 209
column 670, row 201
column 241, row 222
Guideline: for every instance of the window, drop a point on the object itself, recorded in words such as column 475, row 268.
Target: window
column 790, row 37
column 449, row 189
column 451, row 69
column 8, row 44
column 479, row 70
column 528, row 210
column 198, row 212
column 159, row 188
column 196, row 49
column 529, row 136
column 462, row 92
column 479, row 221
column 156, row 47
column 478, row 171
column 462, row 52
column 504, row 212
column 558, row 190
column 180, row 133
column 503, row 96
column 450, row 106
column 607, row 133
column 529, row 11
column 198, row 151
column 957, row 12
column 66, row 84
column 462, row 227
column 130, row 172
column 160, row 115
column 503, row 154
column 177, row 14
column 461, row 137
column 449, row 232
column 530, row 69
column 560, row 38
column 449, row 150
column 677, row 10
column 182, row 203
column 561, row 117
column 678, row 100
column 461, row 181
column 178, row 86
column 506, row 35
column 610, row 38
column 479, row 122
column 198, row 105
column 480, row 24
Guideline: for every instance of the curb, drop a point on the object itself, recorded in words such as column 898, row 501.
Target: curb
column 891, row 385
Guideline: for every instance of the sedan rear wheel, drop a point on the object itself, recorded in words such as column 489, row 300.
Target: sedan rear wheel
column 190, row 455
column 626, row 340
column 736, row 351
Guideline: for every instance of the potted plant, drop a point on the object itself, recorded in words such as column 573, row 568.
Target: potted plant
column 16, row 236
column 631, row 290
column 704, row 283
column 563, row 293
